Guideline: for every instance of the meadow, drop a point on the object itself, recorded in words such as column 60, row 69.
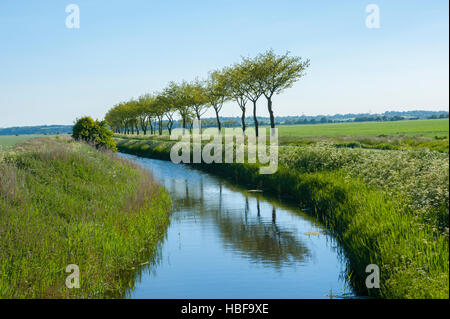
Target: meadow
column 386, row 206
column 7, row 141
column 64, row 202
column 398, row 135
column 418, row 128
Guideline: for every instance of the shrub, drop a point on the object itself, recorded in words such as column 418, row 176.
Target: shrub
column 94, row 132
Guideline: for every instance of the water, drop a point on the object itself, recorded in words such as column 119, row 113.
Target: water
column 227, row 242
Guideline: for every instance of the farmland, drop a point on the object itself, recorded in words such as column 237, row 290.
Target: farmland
column 411, row 128
column 7, row 141
column 419, row 134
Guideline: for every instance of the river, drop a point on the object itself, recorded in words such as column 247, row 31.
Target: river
column 228, row 242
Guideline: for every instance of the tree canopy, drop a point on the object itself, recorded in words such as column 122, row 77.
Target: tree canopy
column 266, row 74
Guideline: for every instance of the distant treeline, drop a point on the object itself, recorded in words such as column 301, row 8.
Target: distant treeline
column 41, row 129
column 322, row 119
column 279, row 120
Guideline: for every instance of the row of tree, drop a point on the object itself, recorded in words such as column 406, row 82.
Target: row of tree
column 245, row 82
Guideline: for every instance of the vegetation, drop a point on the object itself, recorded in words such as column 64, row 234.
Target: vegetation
column 388, row 208
column 39, row 129
column 63, row 202
column 424, row 128
column 231, row 122
column 7, row 141
column 94, row 132
column 380, row 183
column 267, row 74
column 407, row 135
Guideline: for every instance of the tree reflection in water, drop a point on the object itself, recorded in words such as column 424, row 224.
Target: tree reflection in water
column 245, row 231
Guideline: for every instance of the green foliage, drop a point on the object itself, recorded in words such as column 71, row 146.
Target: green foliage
column 276, row 73
column 266, row 74
column 94, row 132
column 418, row 179
column 63, row 202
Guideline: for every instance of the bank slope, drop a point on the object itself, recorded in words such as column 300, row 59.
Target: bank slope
column 63, row 202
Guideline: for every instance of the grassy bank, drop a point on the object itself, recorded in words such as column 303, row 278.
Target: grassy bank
column 388, row 208
column 63, row 202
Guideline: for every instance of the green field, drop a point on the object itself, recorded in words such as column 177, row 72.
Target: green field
column 422, row 128
column 7, row 141
column 413, row 134
column 408, row 128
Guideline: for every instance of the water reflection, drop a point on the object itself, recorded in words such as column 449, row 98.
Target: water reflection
column 242, row 230
column 225, row 242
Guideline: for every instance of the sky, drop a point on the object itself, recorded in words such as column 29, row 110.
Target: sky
column 51, row 74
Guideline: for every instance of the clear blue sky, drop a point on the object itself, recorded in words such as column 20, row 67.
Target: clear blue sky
column 50, row 74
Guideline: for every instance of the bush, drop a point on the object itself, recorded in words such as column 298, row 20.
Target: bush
column 94, row 132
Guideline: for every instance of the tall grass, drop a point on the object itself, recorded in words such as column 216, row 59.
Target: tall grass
column 388, row 208
column 417, row 179
column 63, row 202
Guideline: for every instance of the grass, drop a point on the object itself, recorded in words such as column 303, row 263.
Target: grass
column 422, row 128
column 64, row 202
column 7, row 141
column 399, row 135
column 386, row 207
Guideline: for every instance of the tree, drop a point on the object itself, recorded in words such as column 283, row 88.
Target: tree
column 217, row 93
column 233, row 81
column 145, row 111
column 168, row 101
column 180, row 95
column 114, row 119
column 278, row 72
column 117, row 117
column 252, row 83
column 170, row 114
column 267, row 74
column 131, row 113
column 94, row 132
column 159, row 110
column 197, row 99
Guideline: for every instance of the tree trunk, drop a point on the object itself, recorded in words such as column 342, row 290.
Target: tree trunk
column 219, row 125
column 184, row 125
column 199, row 124
column 254, row 118
column 243, row 121
column 272, row 119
